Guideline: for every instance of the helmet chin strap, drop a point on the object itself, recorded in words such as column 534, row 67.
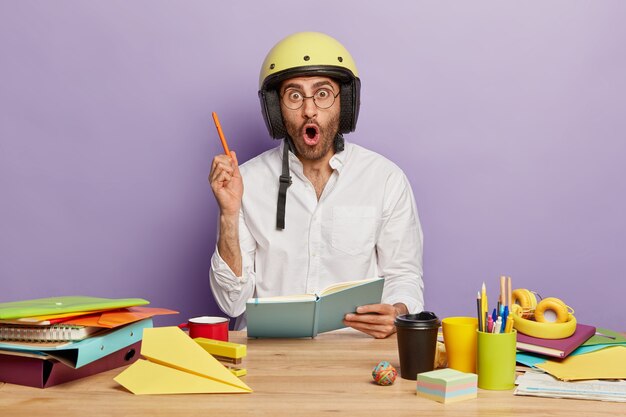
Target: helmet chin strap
column 284, row 183
column 339, row 143
column 285, row 178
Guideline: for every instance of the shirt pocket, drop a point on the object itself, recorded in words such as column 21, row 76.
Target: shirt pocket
column 354, row 229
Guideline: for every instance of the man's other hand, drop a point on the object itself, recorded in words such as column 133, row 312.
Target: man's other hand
column 375, row 319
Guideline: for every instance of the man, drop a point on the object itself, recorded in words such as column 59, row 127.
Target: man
column 344, row 213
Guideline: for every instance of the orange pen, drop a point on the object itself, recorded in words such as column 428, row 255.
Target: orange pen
column 219, row 132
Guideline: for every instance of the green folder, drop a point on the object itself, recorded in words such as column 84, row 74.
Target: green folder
column 62, row 305
column 605, row 337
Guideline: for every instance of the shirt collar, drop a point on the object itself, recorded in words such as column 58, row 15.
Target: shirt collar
column 337, row 161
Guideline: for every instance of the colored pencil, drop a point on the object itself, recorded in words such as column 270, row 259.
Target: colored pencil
column 221, row 134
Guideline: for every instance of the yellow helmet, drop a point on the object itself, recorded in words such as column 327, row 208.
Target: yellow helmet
column 308, row 53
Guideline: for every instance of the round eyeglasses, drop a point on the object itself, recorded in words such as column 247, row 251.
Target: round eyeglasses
column 294, row 99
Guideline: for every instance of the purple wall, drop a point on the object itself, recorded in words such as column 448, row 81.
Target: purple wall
column 508, row 119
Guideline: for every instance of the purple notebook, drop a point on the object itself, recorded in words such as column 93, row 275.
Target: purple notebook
column 558, row 348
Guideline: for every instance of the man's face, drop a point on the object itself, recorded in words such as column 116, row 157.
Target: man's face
column 312, row 129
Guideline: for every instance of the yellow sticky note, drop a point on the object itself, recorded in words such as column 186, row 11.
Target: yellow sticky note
column 175, row 365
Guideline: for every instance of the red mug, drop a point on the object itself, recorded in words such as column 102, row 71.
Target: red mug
column 208, row 327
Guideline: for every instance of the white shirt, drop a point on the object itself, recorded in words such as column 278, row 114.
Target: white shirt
column 365, row 225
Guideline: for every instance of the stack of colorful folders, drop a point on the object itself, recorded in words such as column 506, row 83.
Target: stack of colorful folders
column 48, row 341
column 598, row 356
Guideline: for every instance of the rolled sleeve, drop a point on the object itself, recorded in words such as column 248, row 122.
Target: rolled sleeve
column 230, row 291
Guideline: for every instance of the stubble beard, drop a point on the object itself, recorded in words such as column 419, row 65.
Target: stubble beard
column 327, row 133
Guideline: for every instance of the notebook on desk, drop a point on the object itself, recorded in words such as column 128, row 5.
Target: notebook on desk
column 50, row 333
column 558, row 348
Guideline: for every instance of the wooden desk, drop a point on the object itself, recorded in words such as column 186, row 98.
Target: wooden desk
column 330, row 374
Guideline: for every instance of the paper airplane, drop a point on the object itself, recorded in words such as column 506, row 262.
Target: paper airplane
column 175, row 364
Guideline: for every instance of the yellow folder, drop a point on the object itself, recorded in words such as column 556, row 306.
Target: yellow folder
column 608, row 363
column 175, row 364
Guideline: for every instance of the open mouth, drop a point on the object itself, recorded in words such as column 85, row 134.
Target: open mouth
column 311, row 134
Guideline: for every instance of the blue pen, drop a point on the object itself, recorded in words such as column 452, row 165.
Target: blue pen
column 494, row 315
column 505, row 315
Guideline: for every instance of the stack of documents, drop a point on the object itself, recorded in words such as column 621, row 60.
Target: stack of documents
column 596, row 370
column 538, row 384
column 48, row 341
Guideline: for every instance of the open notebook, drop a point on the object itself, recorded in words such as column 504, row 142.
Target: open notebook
column 306, row 315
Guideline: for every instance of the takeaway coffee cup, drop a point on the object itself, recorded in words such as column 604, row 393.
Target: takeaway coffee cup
column 208, row 327
column 417, row 343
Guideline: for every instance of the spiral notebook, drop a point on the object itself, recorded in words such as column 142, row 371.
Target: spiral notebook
column 53, row 333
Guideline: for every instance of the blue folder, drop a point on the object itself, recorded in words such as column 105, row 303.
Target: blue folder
column 77, row 354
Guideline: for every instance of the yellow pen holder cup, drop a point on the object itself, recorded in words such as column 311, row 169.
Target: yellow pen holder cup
column 459, row 336
column 495, row 364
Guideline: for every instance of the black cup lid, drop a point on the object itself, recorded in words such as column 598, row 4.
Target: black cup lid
column 423, row 320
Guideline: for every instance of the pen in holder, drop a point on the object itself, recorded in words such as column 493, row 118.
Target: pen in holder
column 495, row 363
